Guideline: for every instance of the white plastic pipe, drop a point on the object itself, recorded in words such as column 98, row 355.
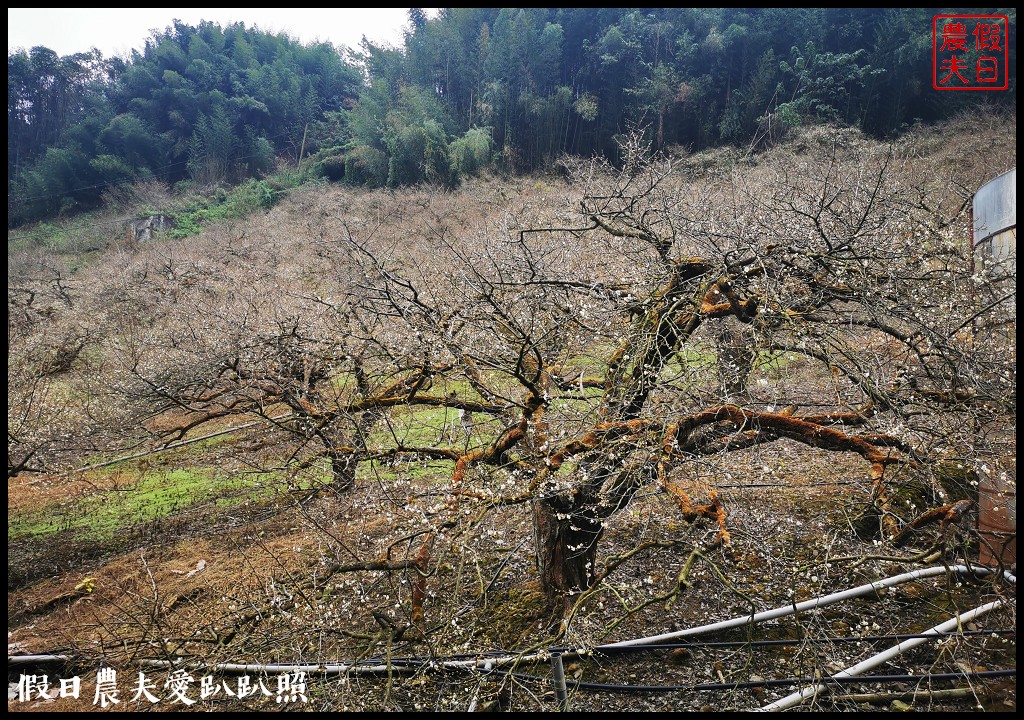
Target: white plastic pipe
column 801, row 606
column 489, row 663
column 36, row 659
column 876, row 660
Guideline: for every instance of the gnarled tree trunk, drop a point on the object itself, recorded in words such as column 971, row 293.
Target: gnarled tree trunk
column 566, row 549
column 343, row 472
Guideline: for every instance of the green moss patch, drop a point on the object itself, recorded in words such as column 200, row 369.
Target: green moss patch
column 158, row 493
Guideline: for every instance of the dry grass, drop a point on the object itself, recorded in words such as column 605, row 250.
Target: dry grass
column 273, row 577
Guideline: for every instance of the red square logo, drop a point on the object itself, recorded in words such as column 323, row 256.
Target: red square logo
column 970, row 52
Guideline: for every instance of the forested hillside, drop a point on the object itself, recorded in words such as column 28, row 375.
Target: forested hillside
column 503, row 88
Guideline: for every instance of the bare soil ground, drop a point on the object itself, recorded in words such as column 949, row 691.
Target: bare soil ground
column 265, row 583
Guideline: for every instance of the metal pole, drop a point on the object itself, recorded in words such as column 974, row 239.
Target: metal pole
column 561, row 694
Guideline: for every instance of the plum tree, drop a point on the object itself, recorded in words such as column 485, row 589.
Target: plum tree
column 601, row 350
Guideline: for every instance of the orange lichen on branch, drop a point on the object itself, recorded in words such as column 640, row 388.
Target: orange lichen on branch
column 876, row 453
column 944, row 515
column 491, row 454
column 719, row 310
column 714, row 510
column 718, row 509
column 668, row 445
column 794, row 427
column 462, row 463
column 310, row 410
column 721, row 300
column 506, row 442
column 601, row 434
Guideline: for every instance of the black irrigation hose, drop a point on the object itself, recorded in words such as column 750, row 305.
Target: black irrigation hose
column 407, row 664
column 715, row 687
column 685, row 645
column 782, row 682
column 829, row 483
column 15, row 660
